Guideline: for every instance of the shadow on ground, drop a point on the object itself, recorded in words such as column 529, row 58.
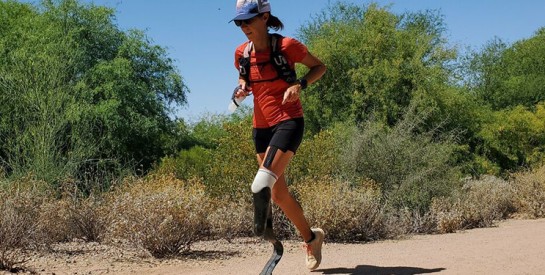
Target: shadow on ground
column 380, row 270
column 207, row 255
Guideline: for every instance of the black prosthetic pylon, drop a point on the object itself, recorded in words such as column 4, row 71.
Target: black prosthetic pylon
column 278, row 249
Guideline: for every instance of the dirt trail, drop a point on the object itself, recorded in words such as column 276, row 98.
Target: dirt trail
column 513, row 247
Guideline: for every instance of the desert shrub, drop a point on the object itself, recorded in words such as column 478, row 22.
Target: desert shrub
column 479, row 204
column 87, row 218
column 68, row 218
column 160, row 213
column 230, row 219
column 16, row 221
column 319, row 154
column 447, row 214
column 487, row 200
column 405, row 221
column 20, row 207
column 225, row 162
column 530, row 193
column 344, row 211
column 53, row 220
column 233, row 162
column 411, row 166
column 190, row 163
column 74, row 212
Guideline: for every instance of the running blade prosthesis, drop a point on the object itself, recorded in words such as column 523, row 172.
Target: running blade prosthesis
column 264, row 227
column 278, row 249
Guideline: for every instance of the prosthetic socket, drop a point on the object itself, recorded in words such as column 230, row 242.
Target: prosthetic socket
column 261, row 189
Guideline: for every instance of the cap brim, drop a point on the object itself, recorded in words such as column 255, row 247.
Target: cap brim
column 244, row 16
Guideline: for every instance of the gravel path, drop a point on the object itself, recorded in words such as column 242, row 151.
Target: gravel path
column 513, row 247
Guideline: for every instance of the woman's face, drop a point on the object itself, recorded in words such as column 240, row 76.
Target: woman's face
column 255, row 27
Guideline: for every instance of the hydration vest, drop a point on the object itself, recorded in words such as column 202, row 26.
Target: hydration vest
column 277, row 59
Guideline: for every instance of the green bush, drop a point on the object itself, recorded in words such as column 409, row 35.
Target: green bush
column 318, row 155
column 515, row 138
column 75, row 88
column 232, row 164
column 411, row 167
column 225, row 161
column 190, row 163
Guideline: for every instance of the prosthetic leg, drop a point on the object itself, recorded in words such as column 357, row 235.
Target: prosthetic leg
column 263, row 219
column 278, row 249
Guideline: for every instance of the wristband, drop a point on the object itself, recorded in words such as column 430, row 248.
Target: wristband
column 303, row 82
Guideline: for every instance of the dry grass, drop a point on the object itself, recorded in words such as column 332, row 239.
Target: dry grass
column 165, row 215
column 345, row 212
column 160, row 214
column 231, row 219
column 20, row 207
column 74, row 218
column 479, row 204
column 530, row 193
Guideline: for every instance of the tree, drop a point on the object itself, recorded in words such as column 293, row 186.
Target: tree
column 75, row 90
column 511, row 75
column 377, row 62
column 514, row 138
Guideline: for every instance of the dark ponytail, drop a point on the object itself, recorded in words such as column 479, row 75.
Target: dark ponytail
column 274, row 23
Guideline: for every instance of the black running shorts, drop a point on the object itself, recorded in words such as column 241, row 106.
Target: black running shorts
column 286, row 135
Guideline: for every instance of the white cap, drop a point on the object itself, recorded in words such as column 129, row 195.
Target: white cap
column 247, row 9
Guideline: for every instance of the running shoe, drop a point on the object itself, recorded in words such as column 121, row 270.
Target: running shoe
column 314, row 249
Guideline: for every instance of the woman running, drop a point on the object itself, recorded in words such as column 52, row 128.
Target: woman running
column 266, row 67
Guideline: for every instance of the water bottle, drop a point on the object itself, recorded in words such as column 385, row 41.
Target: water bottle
column 235, row 101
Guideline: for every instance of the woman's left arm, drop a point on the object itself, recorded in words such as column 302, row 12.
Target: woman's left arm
column 316, row 71
column 316, row 68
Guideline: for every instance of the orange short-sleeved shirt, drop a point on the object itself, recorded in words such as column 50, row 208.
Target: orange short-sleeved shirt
column 267, row 89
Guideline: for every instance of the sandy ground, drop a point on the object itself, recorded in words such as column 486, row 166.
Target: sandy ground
column 513, row 247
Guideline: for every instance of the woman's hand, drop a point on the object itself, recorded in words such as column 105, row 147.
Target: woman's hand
column 292, row 93
column 243, row 90
column 316, row 71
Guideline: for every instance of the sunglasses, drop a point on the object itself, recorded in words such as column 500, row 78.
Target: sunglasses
column 239, row 23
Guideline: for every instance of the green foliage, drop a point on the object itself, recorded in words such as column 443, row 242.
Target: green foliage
column 36, row 61
column 193, row 162
column 452, row 112
column 515, row 138
column 319, row 154
column 411, row 167
column 484, row 71
column 376, row 62
column 222, row 156
column 76, row 90
column 513, row 75
column 234, row 161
